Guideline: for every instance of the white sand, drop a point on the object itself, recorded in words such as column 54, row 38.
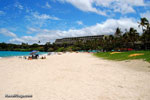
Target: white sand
column 74, row 76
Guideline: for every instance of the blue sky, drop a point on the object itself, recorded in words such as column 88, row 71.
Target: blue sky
column 31, row 21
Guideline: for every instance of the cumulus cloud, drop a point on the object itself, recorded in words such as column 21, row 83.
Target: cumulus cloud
column 6, row 32
column 105, row 28
column 122, row 6
column 146, row 15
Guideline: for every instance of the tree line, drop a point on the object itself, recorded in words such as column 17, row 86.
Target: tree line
column 123, row 41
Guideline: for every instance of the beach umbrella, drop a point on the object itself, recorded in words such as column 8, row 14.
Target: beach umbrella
column 34, row 52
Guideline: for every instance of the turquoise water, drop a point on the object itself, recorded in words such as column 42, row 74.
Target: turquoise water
column 16, row 53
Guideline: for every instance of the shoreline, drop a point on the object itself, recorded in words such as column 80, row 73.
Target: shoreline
column 8, row 54
column 131, row 62
column 19, row 56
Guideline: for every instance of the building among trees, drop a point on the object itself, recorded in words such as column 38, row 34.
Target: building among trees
column 73, row 40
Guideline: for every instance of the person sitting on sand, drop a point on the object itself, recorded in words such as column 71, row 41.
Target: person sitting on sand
column 25, row 57
column 43, row 57
column 36, row 56
column 29, row 58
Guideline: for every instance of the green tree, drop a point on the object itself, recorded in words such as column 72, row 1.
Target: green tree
column 118, row 32
column 146, row 31
column 131, row 36
column 47, row 46
column 144, row 23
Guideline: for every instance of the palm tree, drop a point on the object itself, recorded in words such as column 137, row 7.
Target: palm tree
column 107, row 43
column 39, row 42
column 118, row 32
column 146, row 31
column 111, row 37
column 118, row 38
column 125, row 39
column 133, row 36
column 144, row 23
column 111, row 42
column 146, row 38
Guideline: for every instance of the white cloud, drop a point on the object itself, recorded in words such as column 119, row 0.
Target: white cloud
column 146, row 14
column 79, row 22
column 32, row 30
column 38, row 30
column 105, row 28
column 38, row 20
column 44, row 16
column 85, row 5
column 7, row 32
column 122, row 6
column 18, row 5
column 17, row 40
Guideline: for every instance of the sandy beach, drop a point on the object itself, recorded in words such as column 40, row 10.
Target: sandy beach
column 74, row 76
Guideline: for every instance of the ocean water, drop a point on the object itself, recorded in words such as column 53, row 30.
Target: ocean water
column 16, row 53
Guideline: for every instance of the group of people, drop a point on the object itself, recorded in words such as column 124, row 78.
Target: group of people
column 35, row 56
